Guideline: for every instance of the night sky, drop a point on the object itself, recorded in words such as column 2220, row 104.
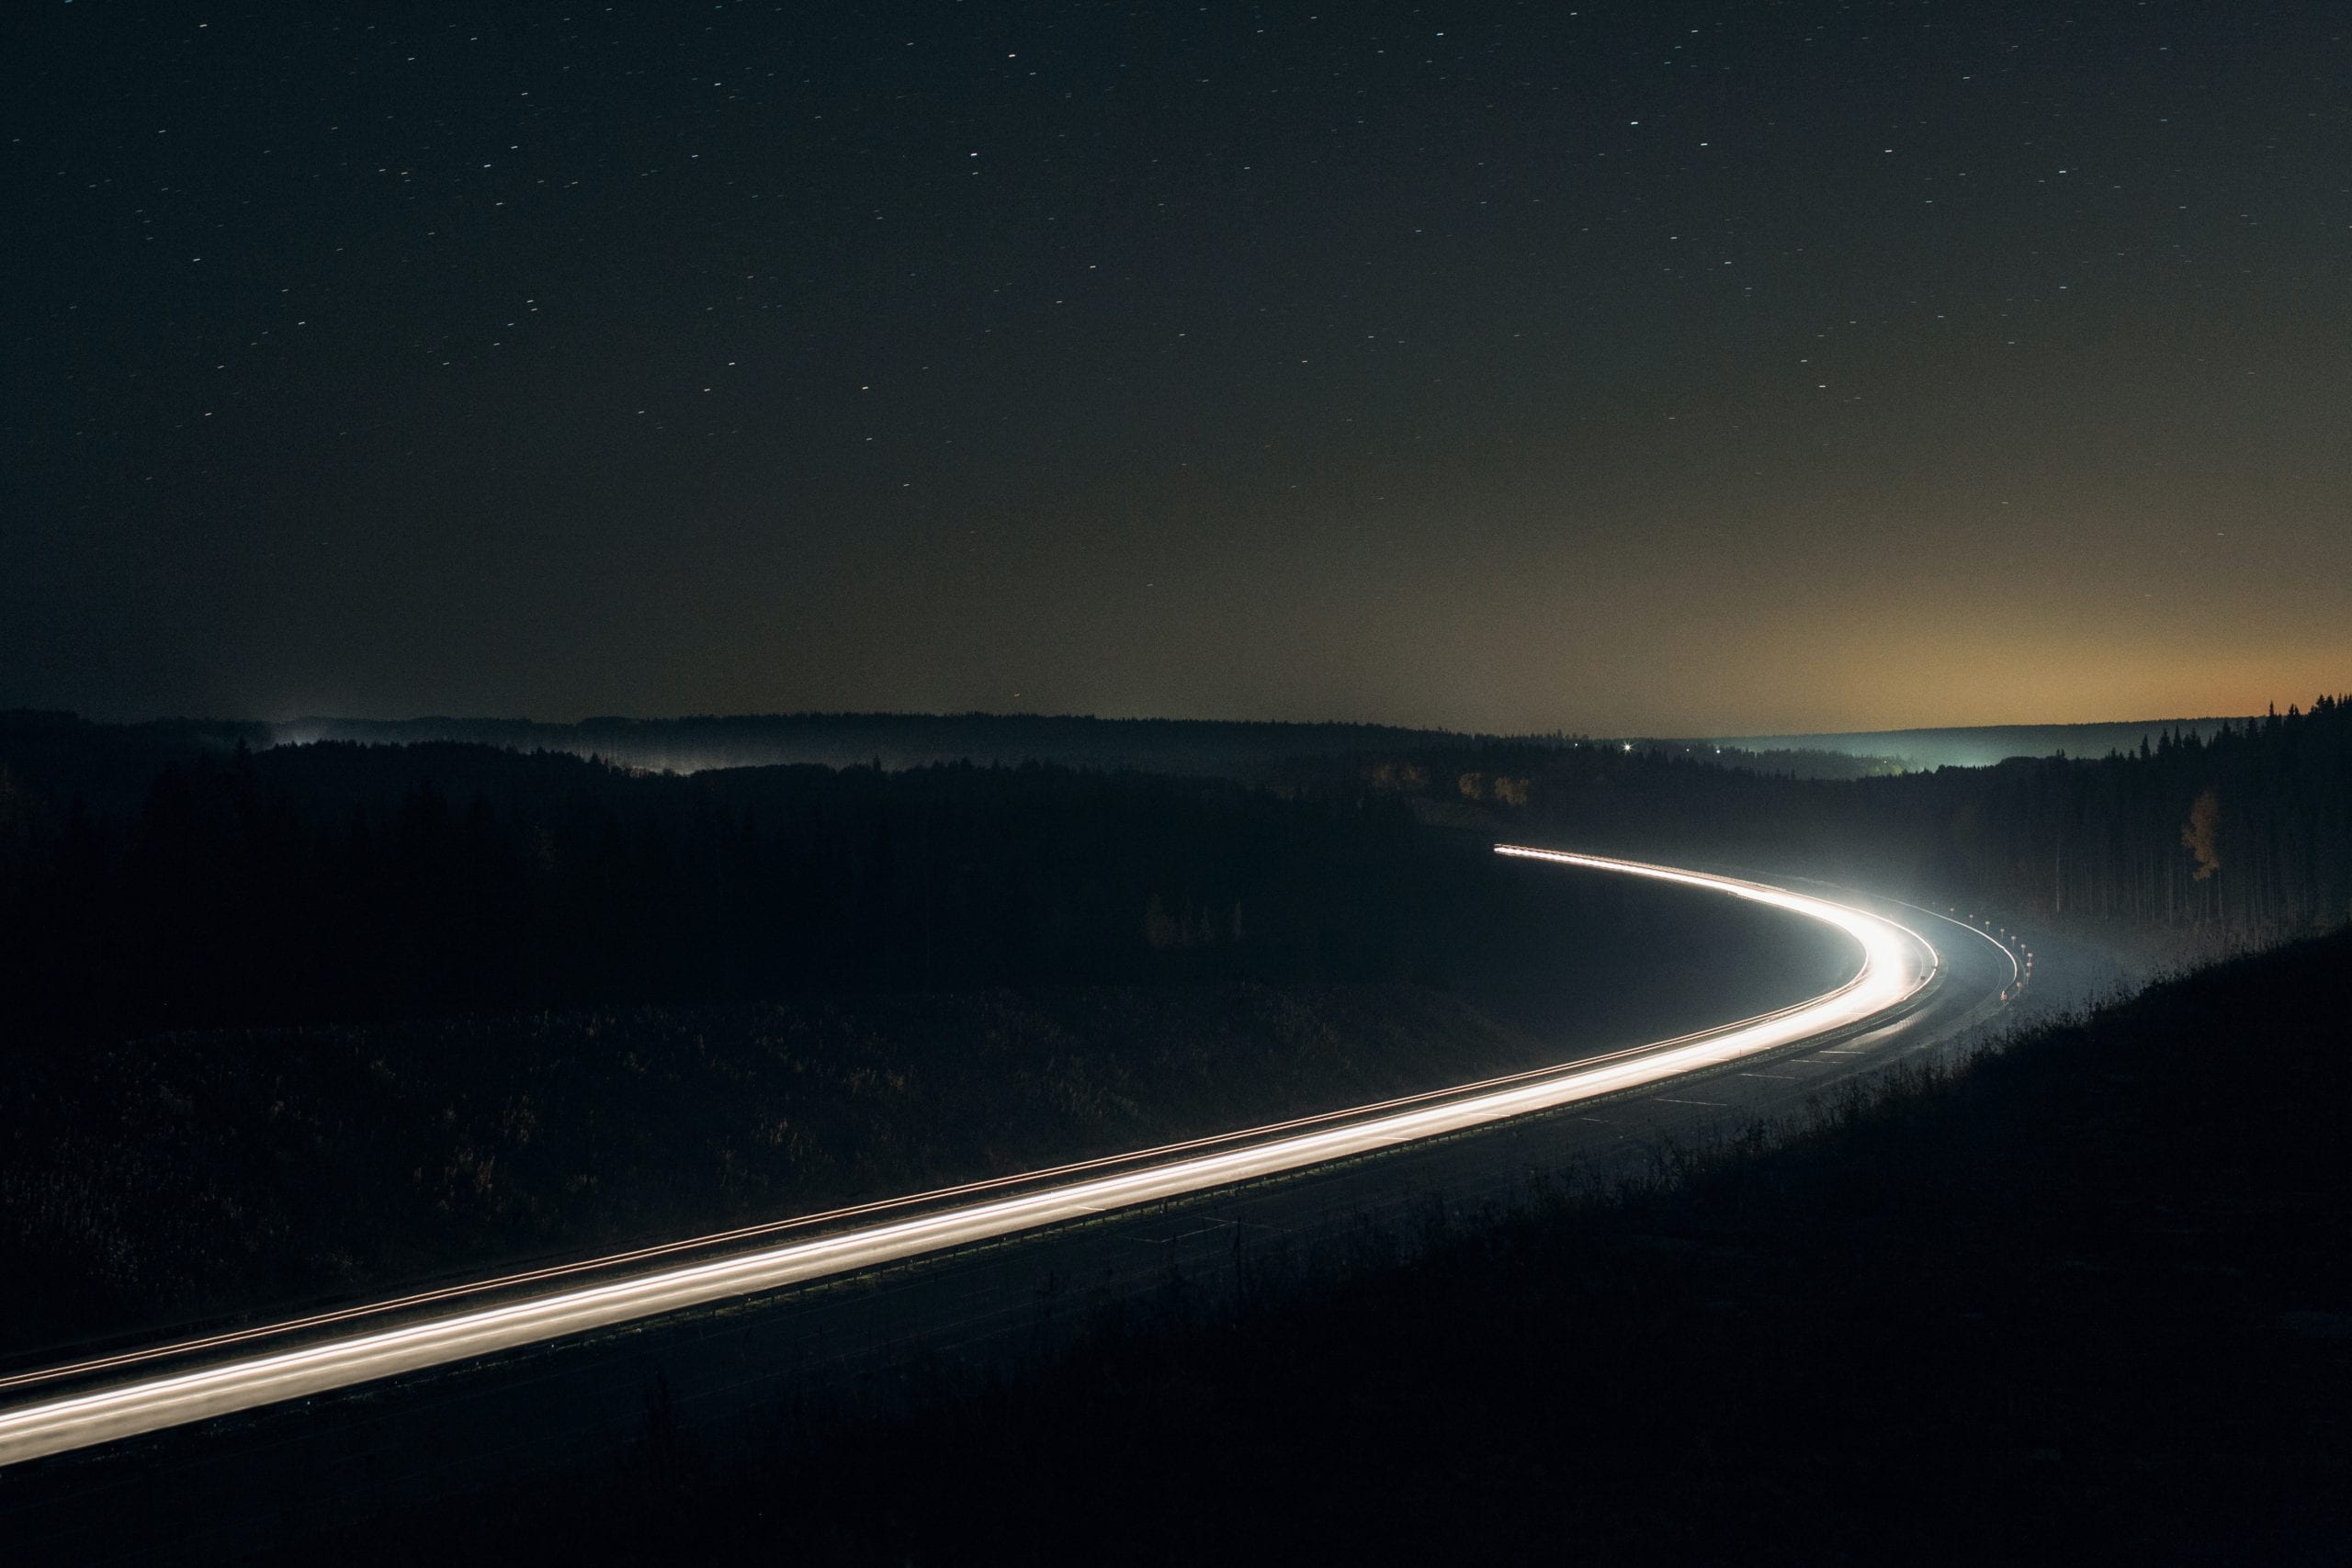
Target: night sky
column 1631, row 367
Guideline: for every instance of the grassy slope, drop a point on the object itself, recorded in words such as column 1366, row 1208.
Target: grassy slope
column 247, row 1169
column 2089, row 1299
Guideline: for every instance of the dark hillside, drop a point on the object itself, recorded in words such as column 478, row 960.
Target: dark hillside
column 244, row 1174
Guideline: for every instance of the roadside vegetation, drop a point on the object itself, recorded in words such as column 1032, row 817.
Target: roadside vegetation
column 240, row 1173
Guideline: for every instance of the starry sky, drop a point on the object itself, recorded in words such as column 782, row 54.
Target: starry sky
column 1641, row 368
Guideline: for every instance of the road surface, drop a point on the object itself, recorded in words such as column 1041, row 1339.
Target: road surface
column 98, row 1402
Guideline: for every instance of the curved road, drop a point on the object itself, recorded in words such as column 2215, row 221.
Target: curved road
column 98, row 1401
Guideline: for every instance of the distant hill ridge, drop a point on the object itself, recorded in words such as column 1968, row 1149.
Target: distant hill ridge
column 1211, row 747
column 1982, row 745
column 1208, row 748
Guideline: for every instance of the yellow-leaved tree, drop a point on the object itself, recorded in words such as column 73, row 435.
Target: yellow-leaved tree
column 2201, row 834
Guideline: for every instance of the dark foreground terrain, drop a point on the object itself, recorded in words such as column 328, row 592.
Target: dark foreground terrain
column 2089, row 1299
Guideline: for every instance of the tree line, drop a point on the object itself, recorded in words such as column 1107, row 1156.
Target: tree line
column 336, row 881
column 2246, row 830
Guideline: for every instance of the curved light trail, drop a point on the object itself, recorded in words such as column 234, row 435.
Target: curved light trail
column 1896, row 963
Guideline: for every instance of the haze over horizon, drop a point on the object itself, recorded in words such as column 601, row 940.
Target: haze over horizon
column 1664, row 370
column 829, row 732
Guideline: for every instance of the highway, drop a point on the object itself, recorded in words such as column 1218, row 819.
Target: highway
column 105, row 1400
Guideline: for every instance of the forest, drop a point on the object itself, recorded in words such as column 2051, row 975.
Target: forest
column 336, row 882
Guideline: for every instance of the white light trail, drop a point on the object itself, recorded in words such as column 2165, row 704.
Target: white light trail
column 1895, row 964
